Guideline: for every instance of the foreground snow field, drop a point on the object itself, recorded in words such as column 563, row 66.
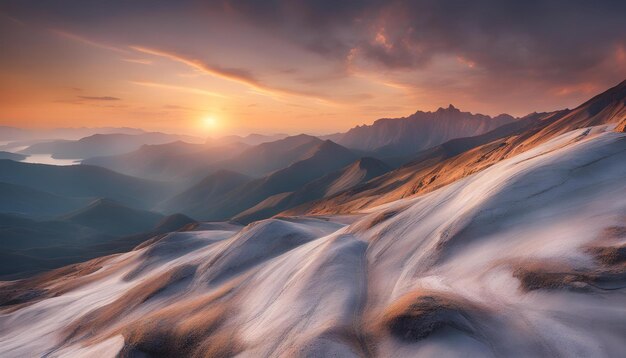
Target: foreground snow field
column 525, row 258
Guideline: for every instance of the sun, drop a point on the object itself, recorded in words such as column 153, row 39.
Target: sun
column 210, row 122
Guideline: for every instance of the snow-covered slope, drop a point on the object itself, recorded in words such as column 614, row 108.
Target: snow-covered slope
column 525, row 258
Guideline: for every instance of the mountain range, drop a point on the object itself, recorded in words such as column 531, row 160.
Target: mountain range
column 495, row 237
column 442, row 165
column 45, row 239
column 175, row 161
column 83, row 181
column 8, row 133
column 357, row 172
column 180, row 161
column 421, row 130
column 518, row 258
column 102, row 144
column 321, row 158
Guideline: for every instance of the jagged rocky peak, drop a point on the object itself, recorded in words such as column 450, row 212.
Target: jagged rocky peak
column 451, row 108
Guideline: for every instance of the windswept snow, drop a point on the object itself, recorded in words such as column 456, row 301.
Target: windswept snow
column 521, row 259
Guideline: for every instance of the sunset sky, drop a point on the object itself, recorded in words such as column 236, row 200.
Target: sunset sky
column 222, row 67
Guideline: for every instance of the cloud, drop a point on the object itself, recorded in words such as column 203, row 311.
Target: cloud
column 178, row 88
column 559, row 40
column 238, row 75
column 86, row 41
column 99, row 98
column 234, row 74
column 524, row 55
column 533, row 40
column 141, row 61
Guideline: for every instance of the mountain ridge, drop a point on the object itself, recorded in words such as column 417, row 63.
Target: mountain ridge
column 83, row 181
column 420, row 130
column 101, row 144
column 357, row 172
column 433, row 170
column 456, row 265
column 110, row 217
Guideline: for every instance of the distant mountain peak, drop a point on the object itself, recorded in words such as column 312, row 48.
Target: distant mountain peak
column 421, row 130
column 302, row 136
column 329, row 143
column 328, row 147
column 450, row 109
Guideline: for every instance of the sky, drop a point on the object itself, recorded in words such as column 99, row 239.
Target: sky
column 292, row 66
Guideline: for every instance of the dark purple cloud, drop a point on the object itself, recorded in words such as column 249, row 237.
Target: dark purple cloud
column 541, row 39
column 553, row 47
column 546, row 39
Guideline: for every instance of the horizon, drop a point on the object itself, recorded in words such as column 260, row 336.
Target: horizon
column 209, row 135
column 259, row 132
column 231, row 68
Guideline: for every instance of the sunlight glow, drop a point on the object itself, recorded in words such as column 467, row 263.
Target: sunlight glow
column 210, row 122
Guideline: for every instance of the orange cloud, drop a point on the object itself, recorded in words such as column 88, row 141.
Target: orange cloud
column 138, row 60
column 86, row 41
column 466, row 62
column 237, row 75
column 178, row 88
column 100, row 98
column 582, row 88
column 381, row 39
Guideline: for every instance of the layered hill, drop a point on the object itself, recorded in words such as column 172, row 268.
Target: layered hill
column 84, row 181
column 524, row 258
column 177, row 161
column 8, row 133
column 12, row 156
column 192, row 162
column 102, row 144
column 265, row 158
column 22, row 233
column 421, row 130
column 19, row 199
column 29, row 246
column 322, row 158
column 250, row 139
column 112, row 218
column 195, row 200
column 356, row 173
column 459, row 158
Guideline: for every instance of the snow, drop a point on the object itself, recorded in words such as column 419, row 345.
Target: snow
column 319, row 286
